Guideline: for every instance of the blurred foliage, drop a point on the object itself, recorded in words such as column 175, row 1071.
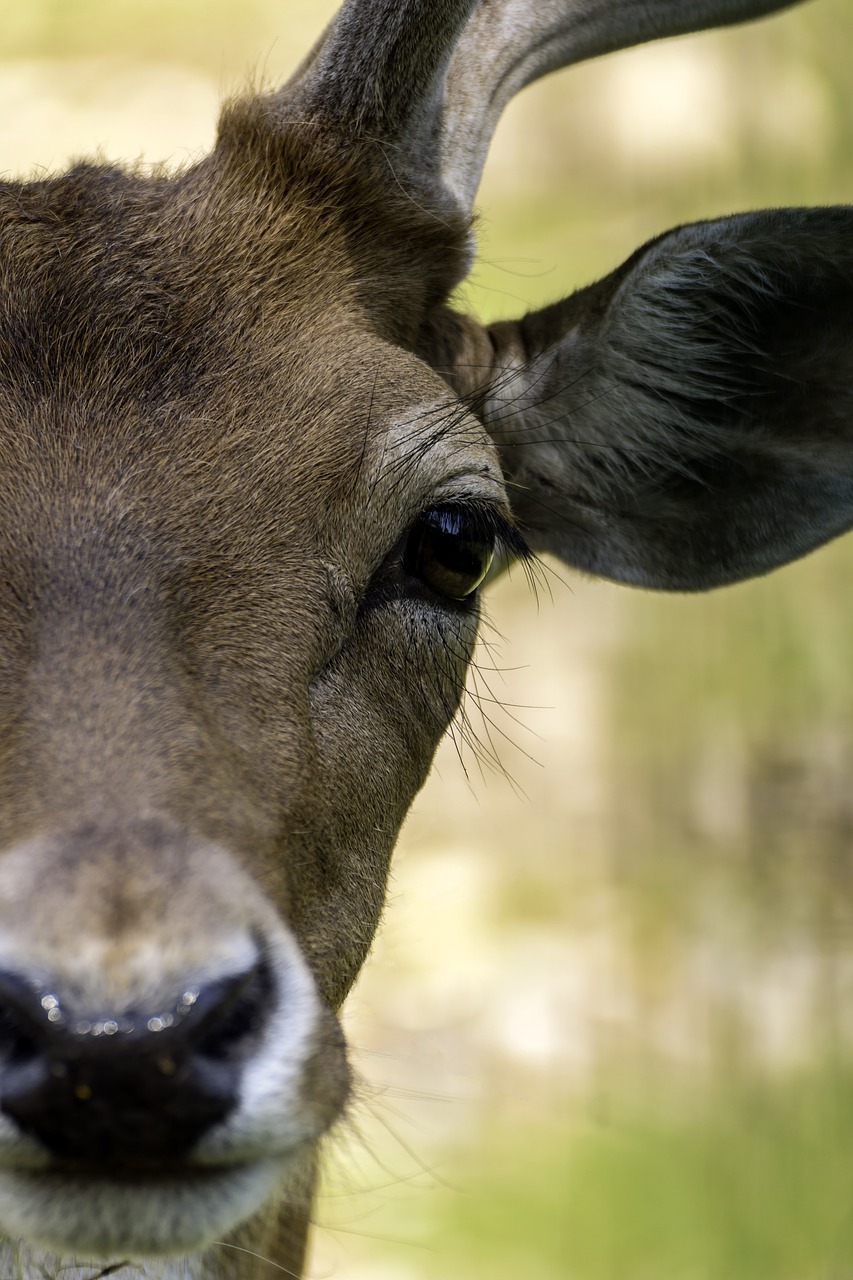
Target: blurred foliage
column 210, row 34
column 753, row 1183
column 749, row 1181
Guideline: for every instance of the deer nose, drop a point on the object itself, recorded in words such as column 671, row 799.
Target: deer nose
column 134, row 1088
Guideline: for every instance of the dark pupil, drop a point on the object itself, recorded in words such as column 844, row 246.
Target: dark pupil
column 449, row 551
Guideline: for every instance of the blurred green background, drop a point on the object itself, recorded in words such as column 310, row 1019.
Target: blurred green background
column 606, row 1031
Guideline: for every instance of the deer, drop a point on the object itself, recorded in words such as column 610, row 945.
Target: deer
column 256, row 471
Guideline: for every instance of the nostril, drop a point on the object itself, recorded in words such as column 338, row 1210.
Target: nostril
column 17, row 1044
column 228, row 1030
column 24, row 1016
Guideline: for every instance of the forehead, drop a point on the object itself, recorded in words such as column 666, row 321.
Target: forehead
column 264, row 485
column 161, row 367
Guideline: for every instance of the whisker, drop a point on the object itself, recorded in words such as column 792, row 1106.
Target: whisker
column 225, row 1244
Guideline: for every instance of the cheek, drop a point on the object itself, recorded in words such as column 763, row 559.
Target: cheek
column 381, row 710
column 378, row 715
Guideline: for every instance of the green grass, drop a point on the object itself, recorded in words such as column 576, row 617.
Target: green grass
column 753, row 1183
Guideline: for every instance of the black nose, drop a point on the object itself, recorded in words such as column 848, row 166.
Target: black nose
column 136, row 1088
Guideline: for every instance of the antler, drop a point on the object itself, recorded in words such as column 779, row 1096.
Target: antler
column 431, row 77
column 380, row 65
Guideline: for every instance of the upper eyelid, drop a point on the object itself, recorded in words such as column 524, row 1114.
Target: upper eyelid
column 492, row 513
column 508, row 537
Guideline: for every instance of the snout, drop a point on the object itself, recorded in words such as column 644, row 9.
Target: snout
column 127, row 1087
column 151, row 1057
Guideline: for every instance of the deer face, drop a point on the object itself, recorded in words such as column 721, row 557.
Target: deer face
column 242, row 546
column 253, row 471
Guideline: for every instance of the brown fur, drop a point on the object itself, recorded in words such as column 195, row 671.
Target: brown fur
column 196, row 513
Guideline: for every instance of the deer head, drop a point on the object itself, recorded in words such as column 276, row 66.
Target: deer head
column 254, row 472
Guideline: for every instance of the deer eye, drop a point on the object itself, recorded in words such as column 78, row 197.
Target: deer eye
column 450, row 550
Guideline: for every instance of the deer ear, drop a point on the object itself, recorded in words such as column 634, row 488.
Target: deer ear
column 688, row 421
